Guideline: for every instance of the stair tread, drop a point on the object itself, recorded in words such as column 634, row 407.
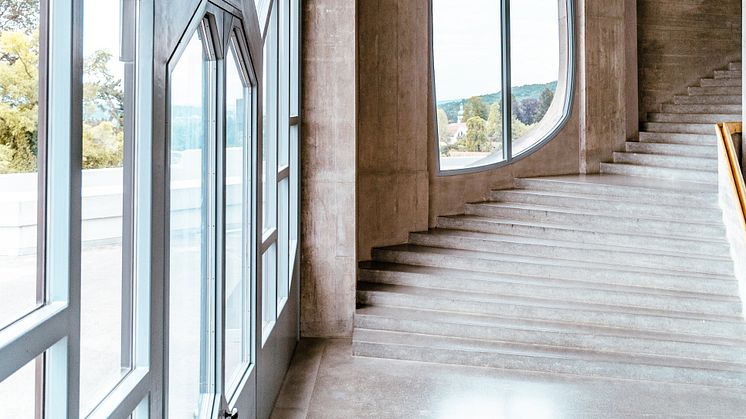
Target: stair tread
column 672, row 186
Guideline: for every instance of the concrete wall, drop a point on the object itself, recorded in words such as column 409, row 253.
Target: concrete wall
column 328, row 261
column 679, row 41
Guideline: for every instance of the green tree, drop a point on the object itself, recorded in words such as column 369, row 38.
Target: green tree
column 474, row 107
column 476, row 135
column 545, row 101
column 443, row 136
column 495, row 122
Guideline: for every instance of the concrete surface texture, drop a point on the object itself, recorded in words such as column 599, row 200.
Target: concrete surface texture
column 326, row 381
column 679, row 40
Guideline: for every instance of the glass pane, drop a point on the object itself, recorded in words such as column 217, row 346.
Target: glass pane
column 283, row 260
column 20, row 394
column 237, row 218
column 191, row 278
column 19, row 135
column 468, row 82
column 283, row 126
column 535, row 67
column 269, row 144
column 269, row 283
column 108, row 78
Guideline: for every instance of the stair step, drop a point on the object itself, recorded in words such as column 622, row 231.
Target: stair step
column 707, row 152
column 679, row 138
column 720, row 82
column 621, row 257
column 696, row 118
column 728, row 74
column 627, row 188
column 703, row 108
column 610, row 204
column 546, row 333
column 735, row 66
column 673, row 162
column 610, row 221
column 381, row 295
column 621, row 298
column 711, row 91
column 703, row 98
column 587, row 235
column 551, row 268
column 677, row 127
column 659, row 172
column 425, row 348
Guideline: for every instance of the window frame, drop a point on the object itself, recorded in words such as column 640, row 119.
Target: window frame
column 508, row 157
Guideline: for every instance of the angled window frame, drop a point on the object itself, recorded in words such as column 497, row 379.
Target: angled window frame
column 567, row 67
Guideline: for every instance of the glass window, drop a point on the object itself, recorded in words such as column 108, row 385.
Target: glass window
column 107, row 191
column 269, row 273
column 21, row 393
column 237, row 219
column 270, row 134
column 191, row 277
column 20, row 32
column 471, row 78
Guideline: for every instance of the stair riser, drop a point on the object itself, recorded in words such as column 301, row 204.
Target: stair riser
column 728, row 74
column 611, row 223
column 694, row 118
column 590, row 342
column 705, row 129
column 707, row 99
column 590, row 237
column 639, row 260
column 629, row 299
column 611, row 192
column 709, row 140
column 720, row 83
column 549, row 365
column 618, row 207
column 582, row 317
column 660, row 173
column 672, row 150
column 678, row 283
column 671, row 162
column 734, row 66
column 726, row 109
column 711, row 91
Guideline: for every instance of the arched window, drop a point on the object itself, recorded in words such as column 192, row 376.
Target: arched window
column 503, row 76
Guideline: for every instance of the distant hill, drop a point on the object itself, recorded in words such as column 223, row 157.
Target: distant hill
column 528, row 91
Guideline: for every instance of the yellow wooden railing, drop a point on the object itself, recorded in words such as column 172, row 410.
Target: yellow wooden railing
column 729, row 150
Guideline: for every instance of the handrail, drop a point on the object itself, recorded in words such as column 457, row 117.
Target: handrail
column 725, row 132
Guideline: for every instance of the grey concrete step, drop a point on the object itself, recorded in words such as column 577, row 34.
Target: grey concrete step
column 381, row 295
column 734, row 66
column 730, row 99
column 610, row 221
column 707, row 152
column 679, row 138
column 696, row 118
column 588, row 235
column 728, row 74
column 720, row 82
column 547, row 333
column 673, row 162
column 712, row 90
column 659, row 172
column 607, row 275
column 702, row 108
column 677, row 127
column 620, row 257
column 599, row 203
column 627, row 188
column 425, row 348
column 621, row 298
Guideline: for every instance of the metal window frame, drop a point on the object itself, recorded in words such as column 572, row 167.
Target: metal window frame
column 505, row 45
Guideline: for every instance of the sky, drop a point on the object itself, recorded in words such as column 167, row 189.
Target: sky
column 466, row 40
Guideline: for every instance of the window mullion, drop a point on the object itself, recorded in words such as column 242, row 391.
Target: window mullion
column 507, row 114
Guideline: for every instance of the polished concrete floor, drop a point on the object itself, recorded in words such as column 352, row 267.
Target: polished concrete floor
column 326, row 381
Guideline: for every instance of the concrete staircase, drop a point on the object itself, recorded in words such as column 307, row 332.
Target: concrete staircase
column 625, row 274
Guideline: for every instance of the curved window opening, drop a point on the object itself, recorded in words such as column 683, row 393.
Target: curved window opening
column 496, row 55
